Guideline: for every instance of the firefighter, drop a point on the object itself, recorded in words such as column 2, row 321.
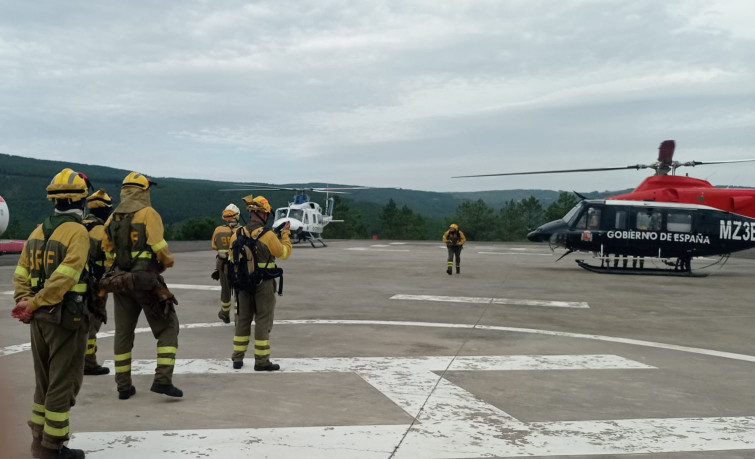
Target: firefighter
column 256, row 299
column 134, row 242
column 50, row 293
column 454, row 240
column 221, row 241
column 100, row 207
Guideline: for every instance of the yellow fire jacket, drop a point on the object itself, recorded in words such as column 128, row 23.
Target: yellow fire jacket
column 459, row 239
column 147, row 236
column 221, row 240
column 63, row 260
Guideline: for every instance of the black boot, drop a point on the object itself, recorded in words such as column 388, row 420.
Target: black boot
column 225, row 317
column 269, row 366
column 62, row 453
column 238, row 364
column 167, row 389
column 126, row 393
column 449, row 271
column 96, row 371
column 458, row 270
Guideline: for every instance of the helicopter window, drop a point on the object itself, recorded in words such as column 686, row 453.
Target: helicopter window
column 572, row 213
column 680, row 222
column 593, row 218
column 648, row 221
column 281, row 213
column 621, row 220
column 306, row 218
column 296, row 214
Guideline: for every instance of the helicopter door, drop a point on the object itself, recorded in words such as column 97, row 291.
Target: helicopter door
column 648, row 220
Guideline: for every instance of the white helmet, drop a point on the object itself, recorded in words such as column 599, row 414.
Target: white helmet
column 231, row 212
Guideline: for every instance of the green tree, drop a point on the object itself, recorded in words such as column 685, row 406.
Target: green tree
column 197, row 229
column 13, row 231
column 518, row 218
column 476, row 220
column 560, row 206
column 351, row 227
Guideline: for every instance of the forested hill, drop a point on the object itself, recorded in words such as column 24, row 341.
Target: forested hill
column 23, row 181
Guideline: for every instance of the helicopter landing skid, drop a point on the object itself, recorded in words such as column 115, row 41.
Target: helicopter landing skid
column 639, row 271
column 312, row 241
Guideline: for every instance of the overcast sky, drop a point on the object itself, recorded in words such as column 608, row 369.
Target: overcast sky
column 382, row 93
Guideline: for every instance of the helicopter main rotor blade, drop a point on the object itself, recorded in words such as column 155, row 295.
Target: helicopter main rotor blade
column 595, row 169
column 705, row 163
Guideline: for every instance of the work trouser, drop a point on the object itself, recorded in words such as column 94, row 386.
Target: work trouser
column 454, row 250
column 90, row 361
column 164, row 329
column 58, row 355
column 260, row 307
column 225, row 290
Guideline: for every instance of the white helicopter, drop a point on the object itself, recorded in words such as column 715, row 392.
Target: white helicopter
column 306, row 218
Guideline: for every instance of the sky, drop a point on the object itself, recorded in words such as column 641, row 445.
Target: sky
column 404, row 93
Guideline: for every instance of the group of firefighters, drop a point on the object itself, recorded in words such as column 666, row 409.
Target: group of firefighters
column 87, row 249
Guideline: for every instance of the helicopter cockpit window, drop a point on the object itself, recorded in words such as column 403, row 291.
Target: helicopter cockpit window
column 648, row 221
column 680, row 222
column 281, row 213
column 296, row 214
column 571, row 214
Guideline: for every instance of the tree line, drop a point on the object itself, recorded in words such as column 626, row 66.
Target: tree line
column 476, row 219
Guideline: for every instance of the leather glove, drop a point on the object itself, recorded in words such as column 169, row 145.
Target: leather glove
column 22, row 311
column 165, row 299
column 97, row 306
column 215, row 275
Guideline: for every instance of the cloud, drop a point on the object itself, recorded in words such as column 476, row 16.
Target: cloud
column 392, row 93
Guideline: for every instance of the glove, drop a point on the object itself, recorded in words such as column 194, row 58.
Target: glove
column 215, row 275
column 165, row 299
column 22, row 311
column 97, row 306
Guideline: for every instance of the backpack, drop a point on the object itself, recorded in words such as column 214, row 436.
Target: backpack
column 119, row 232
column 245, row 274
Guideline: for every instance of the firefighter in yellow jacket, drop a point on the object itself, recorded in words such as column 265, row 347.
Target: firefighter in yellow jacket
column 50, row 292
column 454, row 239
column 100, row 207
column 134, row 242
column 221, row 242
column 253, row 250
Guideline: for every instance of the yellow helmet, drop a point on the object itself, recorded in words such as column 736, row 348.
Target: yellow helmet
column 138, row 180
column 454, row 226
column 256, row 204
column 231, row 212
column 68, row 184
column 99, row 199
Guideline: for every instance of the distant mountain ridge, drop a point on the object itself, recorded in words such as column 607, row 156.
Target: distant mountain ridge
column 23, row 182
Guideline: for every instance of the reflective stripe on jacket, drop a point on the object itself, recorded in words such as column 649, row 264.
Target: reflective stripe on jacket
column 64, row 262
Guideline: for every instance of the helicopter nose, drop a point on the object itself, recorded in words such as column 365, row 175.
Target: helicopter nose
column 538, row 235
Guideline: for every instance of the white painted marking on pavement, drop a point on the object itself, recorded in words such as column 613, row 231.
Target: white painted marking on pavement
column 8, row 350
column 380, row 364
column 482, row 300
column 8, row 292
column 194, row 287
column 451, row 422
column 518, row 253
column 368, row 249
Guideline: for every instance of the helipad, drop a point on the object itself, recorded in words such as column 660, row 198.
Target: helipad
column 383, row 355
